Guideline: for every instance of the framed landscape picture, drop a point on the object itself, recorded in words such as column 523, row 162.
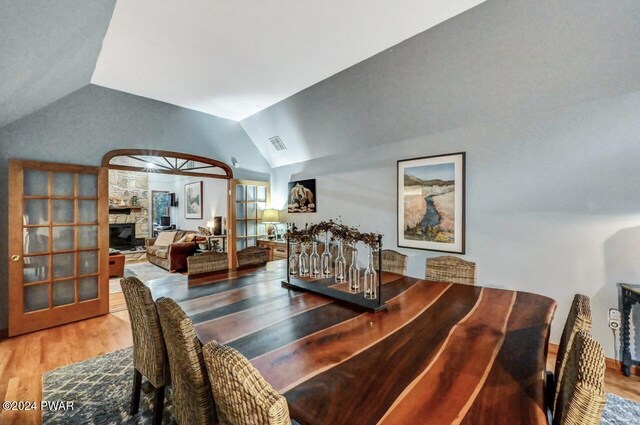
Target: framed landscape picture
column 193, row 200
column 431, row 203
column 302, row 196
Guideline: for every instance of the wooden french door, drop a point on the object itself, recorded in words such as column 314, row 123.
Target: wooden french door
column 58, row 244
column 249, row 199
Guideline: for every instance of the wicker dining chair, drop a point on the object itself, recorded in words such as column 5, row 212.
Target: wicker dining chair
column 392, row 261
column 581, row 397
column 252, row 256
column 243, row 397
column 451, row 269
column 149, row 353
column 192, row 402
column 207, row 263
column 579, row 319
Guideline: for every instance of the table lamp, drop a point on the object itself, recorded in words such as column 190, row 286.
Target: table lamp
column 210, row 226
column 270, row 216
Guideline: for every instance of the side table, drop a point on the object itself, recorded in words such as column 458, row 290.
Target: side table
column 629, row 295
column 116, row 265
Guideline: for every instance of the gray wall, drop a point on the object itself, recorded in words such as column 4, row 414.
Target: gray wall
column 544, row 98
column 81, row 127
column 553, row 200
column 48, row 49
column 503, row 58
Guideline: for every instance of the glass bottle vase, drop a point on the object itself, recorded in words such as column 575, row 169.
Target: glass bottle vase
column 314, row 261
column 293, row 260
column 326, row 260
column 371, row 278
column 354, row 271
column 303, row 261
column 341, row 265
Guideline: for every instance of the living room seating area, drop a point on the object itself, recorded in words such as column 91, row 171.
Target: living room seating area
column 171, row 249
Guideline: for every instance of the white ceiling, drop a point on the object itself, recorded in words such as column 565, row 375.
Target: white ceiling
column 235, row 58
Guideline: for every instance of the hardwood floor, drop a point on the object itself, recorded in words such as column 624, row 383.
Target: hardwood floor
column 614, row 381
column 23, row 359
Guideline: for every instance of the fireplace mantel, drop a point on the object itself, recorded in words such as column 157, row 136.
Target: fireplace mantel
column 123, row 210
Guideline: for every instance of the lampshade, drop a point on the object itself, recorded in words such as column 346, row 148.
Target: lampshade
column 210, row 224
column 270, row 216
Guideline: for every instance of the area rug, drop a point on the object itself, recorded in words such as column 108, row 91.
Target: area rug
column 100, row 389
column 619, row 411
column 143, row 271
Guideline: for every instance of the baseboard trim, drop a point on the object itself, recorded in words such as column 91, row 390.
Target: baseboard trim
column 611, row 363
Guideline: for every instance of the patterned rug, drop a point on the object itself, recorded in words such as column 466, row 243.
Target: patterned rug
column 620, row 411
column 144, row 271
column 100, row 389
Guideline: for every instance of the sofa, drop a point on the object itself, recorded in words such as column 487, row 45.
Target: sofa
column 171, row 249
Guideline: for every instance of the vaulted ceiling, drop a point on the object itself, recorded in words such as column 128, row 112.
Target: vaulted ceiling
column 48, row 49
column 327, row 76
column 234, row 58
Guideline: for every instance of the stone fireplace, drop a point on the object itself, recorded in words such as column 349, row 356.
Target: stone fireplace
column 124, row 187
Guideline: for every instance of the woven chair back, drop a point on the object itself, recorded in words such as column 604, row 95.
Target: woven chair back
column 392, row 261
column 579, row 319
column 149, row 353
column 451, row 269
column 192, row 400
column 243, row 397
column 581, row 397
column 252, row 256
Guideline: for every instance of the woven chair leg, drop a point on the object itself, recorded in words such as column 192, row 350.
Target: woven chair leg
column 135, row 394
column 158, row 405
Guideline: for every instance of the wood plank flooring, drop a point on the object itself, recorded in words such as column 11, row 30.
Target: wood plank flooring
column 23, row 359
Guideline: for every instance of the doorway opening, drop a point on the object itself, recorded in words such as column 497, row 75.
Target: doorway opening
column 160, row 195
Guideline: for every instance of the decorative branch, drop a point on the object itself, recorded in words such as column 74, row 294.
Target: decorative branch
column 338, row 231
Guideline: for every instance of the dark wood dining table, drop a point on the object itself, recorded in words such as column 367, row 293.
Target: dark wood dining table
column 441, row 354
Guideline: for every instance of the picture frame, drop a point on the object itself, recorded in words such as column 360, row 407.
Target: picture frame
column 302, row 196
column 193, row 200
column 431, row 203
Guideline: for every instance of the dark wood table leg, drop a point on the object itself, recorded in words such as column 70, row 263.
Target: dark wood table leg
column 627, row 303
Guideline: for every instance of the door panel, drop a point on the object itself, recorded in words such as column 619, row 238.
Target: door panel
column 58, row 244
column 251, row 198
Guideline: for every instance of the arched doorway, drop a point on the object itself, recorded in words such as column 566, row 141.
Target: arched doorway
column 195, row 169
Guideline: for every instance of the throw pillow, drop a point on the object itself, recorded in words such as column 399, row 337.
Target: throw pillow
column 204, row 231
column 165, row 238
column 187, row 238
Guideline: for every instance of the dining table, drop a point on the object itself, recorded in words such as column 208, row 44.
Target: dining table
column 441, row 353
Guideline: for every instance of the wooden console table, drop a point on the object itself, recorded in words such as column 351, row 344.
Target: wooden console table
column 277, row 248
column 629, row 295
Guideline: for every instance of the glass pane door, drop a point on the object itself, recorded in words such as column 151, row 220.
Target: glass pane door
column 55, row 266
column 250, row 201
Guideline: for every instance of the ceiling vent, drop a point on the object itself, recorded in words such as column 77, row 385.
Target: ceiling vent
column 276, row 141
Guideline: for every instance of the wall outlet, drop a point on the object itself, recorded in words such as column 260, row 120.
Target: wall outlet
column 614, row 318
